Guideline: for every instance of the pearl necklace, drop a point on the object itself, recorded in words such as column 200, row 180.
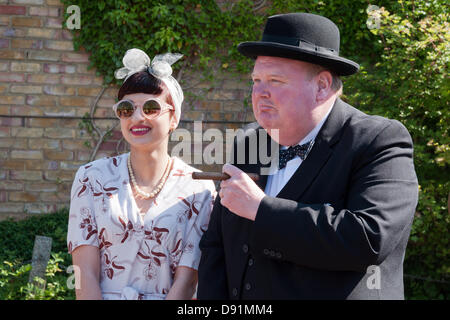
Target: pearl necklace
column 158, row 188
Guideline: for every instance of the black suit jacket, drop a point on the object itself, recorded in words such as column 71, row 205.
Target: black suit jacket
column 337, row 230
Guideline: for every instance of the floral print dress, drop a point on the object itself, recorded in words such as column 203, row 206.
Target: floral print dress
column 139, row 254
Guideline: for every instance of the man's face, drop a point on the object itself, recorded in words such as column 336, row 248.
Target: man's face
column 283, row 98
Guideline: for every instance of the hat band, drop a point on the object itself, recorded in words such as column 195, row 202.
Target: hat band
column 300, row 43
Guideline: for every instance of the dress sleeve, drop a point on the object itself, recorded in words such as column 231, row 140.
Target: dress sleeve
column 82, row 228
column 196, row 226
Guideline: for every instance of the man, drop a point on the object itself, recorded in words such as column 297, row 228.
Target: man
column 334, row 220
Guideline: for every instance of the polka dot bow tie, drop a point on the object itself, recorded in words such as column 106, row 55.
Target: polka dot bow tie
column 290, row 153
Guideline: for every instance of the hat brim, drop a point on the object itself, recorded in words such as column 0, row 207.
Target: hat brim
column 341, row 66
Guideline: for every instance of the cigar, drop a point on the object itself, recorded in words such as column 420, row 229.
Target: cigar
column 218, row 176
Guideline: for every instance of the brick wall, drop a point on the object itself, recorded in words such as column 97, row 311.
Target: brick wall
column 45, row 85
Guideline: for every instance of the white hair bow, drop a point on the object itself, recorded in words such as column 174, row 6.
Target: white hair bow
column 136, row 60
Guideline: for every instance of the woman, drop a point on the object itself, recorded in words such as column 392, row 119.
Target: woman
column 136, row 219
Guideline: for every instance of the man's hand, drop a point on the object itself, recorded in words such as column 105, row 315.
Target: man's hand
column 240, row 194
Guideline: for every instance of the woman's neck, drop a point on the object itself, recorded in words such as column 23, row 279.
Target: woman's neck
column 148, row 166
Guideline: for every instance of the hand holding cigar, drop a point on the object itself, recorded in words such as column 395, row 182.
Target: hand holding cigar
column 218, row 176
column 239, row 194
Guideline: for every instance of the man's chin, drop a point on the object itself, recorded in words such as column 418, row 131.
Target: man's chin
column 276, row 136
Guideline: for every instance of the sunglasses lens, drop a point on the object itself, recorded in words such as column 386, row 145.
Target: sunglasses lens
column 124, row 109
column 151, row 108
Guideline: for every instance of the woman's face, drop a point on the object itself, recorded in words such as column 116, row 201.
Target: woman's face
column 143, row 133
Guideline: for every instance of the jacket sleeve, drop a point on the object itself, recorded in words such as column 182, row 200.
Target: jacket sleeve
column 212, row 279
column 380, row 206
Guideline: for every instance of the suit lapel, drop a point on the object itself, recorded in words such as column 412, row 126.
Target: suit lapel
column 307, row 171
column 262, row 165
column 318, row 156
column 270, row 143
column 253, row 148
column 262, row 180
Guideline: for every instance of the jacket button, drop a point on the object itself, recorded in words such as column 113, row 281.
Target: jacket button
column 272, row 253
column 278, row 255
column 235, row 292
column 245, row 248
column 248, row 286
column 266, row 251
column 250, row 262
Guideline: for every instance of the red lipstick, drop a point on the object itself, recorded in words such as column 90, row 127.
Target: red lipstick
column 139, row 130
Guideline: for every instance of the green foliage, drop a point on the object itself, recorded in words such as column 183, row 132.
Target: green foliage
column 198, row 29
column 16, row 241
column 410, row 83
column 14, row 283
column 13, row 278
column 17, row 237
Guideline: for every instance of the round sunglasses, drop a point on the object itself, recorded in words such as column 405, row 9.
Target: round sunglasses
column 151, row 108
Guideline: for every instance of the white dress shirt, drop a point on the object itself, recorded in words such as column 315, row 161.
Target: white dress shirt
column 278, row 180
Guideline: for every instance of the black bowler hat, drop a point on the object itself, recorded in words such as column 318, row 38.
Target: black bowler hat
column 301, row 36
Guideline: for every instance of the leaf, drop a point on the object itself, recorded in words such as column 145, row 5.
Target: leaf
column 117, row 266
column 110, row 273
column 160, row 229
column 195, row 209
column 158, row 254
column 82, row 190
column 107, row 259
column 124, row 225
column 110, row 189
column 176, row 246
column 125, row 237
column 90, row 234
column 143, row 256
column 101, row 232
column 186, row 202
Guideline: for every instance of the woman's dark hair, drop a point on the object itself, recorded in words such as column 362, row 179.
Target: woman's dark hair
column 142, row 82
